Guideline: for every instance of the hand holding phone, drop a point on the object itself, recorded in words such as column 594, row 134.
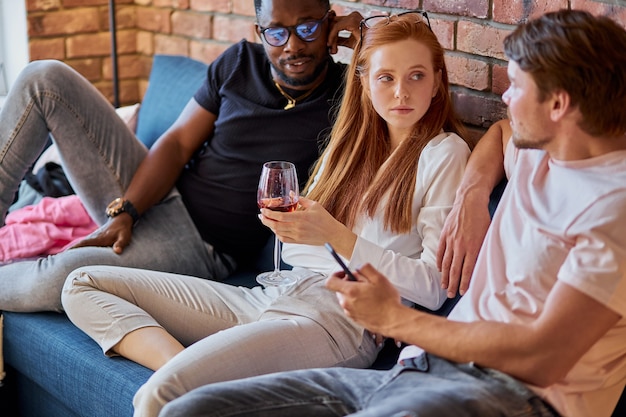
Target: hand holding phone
column 349, row 273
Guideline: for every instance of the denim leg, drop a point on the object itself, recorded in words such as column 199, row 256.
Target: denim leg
column 434, row 387
column 327, row 392
column 99, row 156
column 99, row 153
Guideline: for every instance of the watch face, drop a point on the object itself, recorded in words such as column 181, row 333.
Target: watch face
column 115, row 207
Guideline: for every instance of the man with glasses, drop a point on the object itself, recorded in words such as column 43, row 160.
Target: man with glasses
column 259, row 102
column 541, row 330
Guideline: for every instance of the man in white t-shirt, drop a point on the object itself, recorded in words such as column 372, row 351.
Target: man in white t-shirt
column 541, row 330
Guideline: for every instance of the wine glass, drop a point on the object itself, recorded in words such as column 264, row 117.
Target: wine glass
column 278, row 191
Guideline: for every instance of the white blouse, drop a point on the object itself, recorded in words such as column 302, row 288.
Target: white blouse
column 408, row 260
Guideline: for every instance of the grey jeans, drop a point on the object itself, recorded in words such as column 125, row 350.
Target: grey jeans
column 427, row 386
column 99, row 156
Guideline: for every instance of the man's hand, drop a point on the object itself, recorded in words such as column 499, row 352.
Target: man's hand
column 348, row 23
column 115, row 233
column 372, row 301
column 461, row 238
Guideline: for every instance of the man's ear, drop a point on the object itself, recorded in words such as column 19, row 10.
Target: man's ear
column 257, row 29
column 560, row 105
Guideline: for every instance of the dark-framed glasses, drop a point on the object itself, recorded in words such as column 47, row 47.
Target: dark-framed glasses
column 383, row 20
column 308, row 31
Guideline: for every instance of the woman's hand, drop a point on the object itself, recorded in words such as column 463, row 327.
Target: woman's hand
column 311, row 224
column 115, row 233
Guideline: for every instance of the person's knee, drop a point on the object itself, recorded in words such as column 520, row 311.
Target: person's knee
column 44, row 69
column 77, row 281
column 155, row 393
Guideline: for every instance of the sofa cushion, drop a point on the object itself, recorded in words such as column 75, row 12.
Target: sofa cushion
column 49, row 350
column 173, row 80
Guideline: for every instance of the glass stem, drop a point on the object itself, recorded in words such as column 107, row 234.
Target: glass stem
column 276, row 254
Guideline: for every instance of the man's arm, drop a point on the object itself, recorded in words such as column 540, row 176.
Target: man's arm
column 532, row 352
column 158, row 172
column 468, row 221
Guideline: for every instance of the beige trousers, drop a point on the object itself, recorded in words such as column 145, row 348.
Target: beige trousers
column 230, row 332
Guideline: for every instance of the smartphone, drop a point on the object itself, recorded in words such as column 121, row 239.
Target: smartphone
column 349, row 273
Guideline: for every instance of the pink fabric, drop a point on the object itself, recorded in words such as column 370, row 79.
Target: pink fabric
column 46, row 228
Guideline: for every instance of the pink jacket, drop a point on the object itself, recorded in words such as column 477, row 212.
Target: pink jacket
column 46, row 228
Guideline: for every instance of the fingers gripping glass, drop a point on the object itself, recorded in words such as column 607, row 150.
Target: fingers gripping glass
column 278, row 191
column 308, row 31
column 383, row 20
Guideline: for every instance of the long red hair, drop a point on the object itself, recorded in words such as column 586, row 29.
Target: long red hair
column 352, row 179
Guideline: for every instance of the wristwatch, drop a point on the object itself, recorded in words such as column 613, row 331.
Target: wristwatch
column 122, row 205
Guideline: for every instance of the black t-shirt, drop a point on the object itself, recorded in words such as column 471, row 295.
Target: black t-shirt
column 252, row 127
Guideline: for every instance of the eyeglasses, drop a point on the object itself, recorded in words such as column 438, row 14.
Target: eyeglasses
column 308, row 31
column 383, row 20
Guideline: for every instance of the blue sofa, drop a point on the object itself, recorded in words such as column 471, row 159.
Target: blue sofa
column 53, row 368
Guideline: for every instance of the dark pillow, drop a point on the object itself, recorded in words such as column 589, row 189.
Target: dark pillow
column 173, row 82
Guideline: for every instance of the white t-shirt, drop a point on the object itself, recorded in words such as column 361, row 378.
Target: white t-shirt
column 559, row 220
column 409, row 260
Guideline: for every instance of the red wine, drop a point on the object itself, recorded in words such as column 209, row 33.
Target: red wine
column 276, row 204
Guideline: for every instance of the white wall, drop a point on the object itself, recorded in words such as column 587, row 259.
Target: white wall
column 14, row 37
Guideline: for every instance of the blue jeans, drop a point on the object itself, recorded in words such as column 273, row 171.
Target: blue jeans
column 428, row 386
column 100, row 156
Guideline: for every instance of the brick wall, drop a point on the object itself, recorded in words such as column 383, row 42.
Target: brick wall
column 76, row 31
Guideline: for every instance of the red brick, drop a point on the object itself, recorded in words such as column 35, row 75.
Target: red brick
column 51, row 48
column 84, row 3
column 244, row 7
column 206, row 51
column 222, row 6
column 175, row 4
column 468, row 72
column 479, row 39
column 499, row 79
column 63, row 22
column 402, row 4
column 129, row 67
column 125, row 18
column 42, row 5
column 171, row 45
column 519, row 11
column 127, row 42
column 444, row 29
column 192, row 24
column 145, row 42
column 128, row 91
column 480, row 111
column 615, row 12
column 142, row 86
column 90, row 68
column 473, row 8
column 232, row 29
column 155, row 20
column 88, row 45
